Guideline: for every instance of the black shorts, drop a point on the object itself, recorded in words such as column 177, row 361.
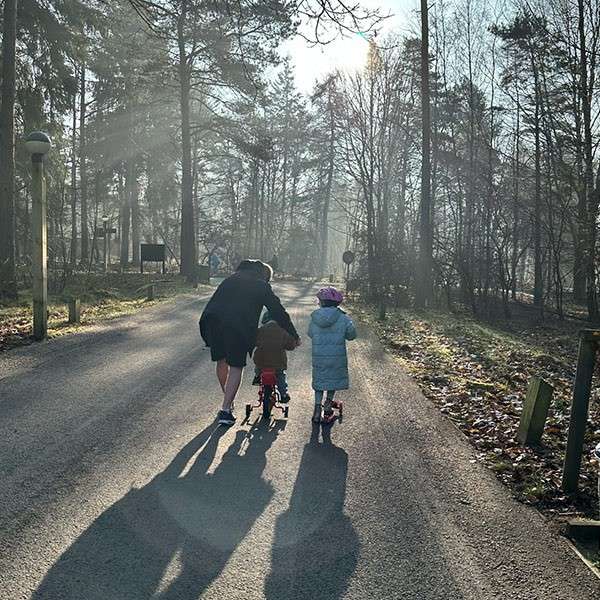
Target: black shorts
column 225, row 344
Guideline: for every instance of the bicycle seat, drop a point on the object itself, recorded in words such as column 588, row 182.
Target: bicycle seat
column 268, row 377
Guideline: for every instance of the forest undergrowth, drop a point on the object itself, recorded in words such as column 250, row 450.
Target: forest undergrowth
column 477, row 372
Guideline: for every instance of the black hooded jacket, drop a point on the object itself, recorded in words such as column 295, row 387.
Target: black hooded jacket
column 237, row 304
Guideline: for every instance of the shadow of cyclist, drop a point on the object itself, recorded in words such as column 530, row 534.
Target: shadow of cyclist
column 316, row 548
column 171, row 538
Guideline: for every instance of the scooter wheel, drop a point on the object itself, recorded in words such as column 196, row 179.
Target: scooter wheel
column 286, row 411
column 248, row 410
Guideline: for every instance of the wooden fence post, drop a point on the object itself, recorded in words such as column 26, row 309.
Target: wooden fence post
column 74, row 310
column 535, row 412
column 579, row 408
column 150, row 292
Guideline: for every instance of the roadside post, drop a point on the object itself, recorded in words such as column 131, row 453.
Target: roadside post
column 587, row 531
column 348, row 258
column 38, row 144
column 535, row 412
column 105, row 233
column 74, row 310
column 104, row 227
column 588, row 345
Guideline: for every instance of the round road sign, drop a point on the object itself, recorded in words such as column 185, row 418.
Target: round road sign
column 348, row 257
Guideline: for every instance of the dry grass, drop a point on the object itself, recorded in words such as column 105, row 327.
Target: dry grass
column 102, row 297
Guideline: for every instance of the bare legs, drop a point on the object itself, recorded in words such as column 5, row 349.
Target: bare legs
column 231, row 387
column 229, row 379
column 222, row 373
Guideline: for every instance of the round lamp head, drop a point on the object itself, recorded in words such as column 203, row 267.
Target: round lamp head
column 37, row 142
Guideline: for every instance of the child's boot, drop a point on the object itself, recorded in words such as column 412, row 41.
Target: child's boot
column 328, row 414
column 337, row 405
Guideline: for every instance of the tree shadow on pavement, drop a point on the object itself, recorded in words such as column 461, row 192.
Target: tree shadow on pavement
column 316, row 548
column 173, row 537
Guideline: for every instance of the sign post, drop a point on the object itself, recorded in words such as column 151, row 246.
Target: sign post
column 105, row 233
column 348, row 258
column 152, row 253
column 38, row 144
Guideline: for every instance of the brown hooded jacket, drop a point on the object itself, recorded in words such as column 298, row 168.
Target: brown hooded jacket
column 271, row 343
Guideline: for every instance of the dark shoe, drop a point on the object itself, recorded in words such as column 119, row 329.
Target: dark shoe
column 256, row 380
column 285, row 399
column 226, row 417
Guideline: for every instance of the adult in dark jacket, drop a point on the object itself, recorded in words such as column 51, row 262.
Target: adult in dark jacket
column 229, row 324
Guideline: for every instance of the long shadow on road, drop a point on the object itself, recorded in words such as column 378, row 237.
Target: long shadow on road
column 170, row 539
column 316, row 548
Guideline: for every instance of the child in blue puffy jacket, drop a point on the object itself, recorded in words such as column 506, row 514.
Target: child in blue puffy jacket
column 329, row 329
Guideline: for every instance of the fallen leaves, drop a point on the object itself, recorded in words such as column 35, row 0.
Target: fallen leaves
column 477, row 374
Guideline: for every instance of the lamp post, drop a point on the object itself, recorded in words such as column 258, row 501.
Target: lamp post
column 38, row 144
column 105, row 226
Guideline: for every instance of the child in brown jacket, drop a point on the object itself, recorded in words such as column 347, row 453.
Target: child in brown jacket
column 272, row 341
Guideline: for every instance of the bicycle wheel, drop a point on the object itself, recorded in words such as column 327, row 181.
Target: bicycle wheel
column 266, row 401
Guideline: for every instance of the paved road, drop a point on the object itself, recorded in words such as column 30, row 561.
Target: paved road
column 116, row 484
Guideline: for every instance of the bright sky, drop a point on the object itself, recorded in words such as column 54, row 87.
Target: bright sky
column 348, row 53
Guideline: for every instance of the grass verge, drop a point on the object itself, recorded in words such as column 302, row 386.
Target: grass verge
column 102, row 297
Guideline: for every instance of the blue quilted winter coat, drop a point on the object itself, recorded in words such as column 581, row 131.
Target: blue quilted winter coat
column 329, row 329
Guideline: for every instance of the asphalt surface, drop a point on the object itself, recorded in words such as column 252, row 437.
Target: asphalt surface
column 116, row 484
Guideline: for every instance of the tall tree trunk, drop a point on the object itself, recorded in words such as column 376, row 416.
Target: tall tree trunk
column 125, row 215
column 251, row 233
column 324, row 263
column 424, row 288
column 98, row 183
column 134, row 202
column 579, row 251
column 579, row 233
column 73, row 254
column 188, row 241
column 538, row 275
column 8, row 282
column 588, row 155
column 83, row 170
column 260, row 217
column 516, row 200
column 468, row 276
column 235, row 241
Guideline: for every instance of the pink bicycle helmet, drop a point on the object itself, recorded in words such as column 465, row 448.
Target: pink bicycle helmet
column 330, row 293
